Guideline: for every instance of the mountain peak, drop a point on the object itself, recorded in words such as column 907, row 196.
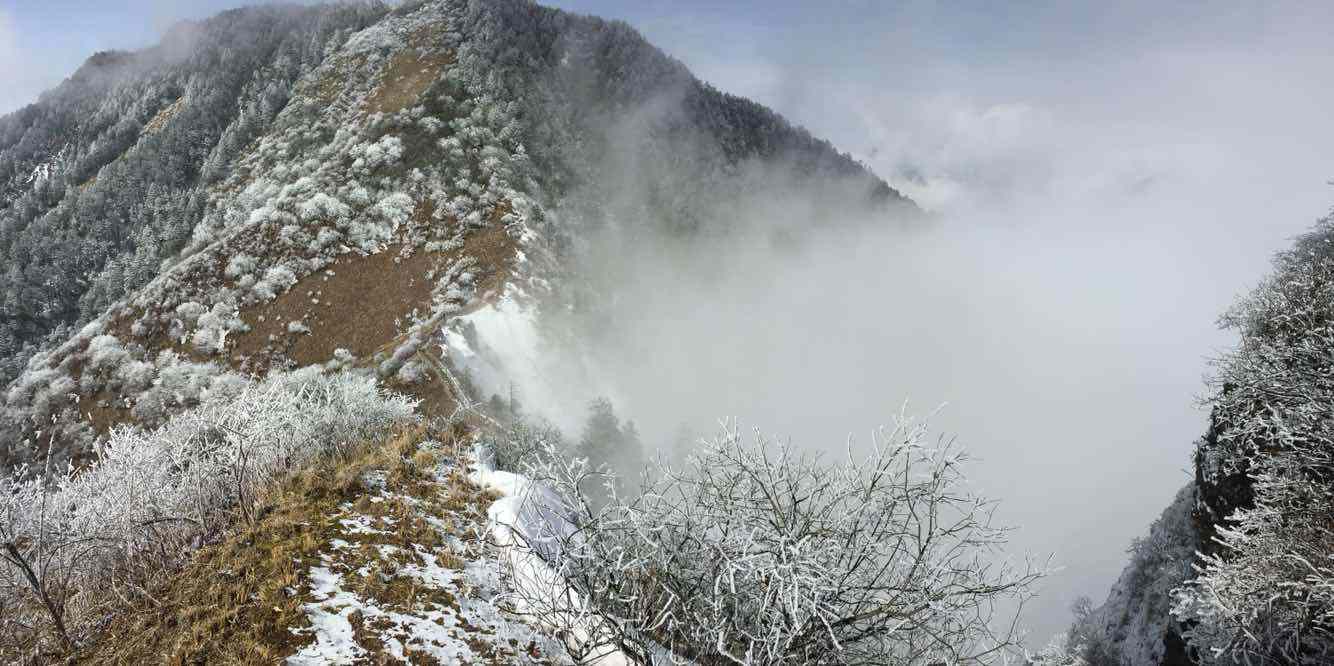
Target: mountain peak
column 353, row 190
column 442, row 129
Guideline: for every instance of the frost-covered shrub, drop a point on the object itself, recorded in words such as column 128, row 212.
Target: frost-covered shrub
column 395, row 208
column 206, row 341
column 1264, row 592
column 1268, row 596
column 222, row 317
column 276, row 280
column 411, row 372
column 326, row 237
column 241, row 264
column 443, row 246
column 323, row 207
column 367, row 236
column 342, row 360
column 58, row 391
column 523, row 445
column 105, row 354
column 359, row 195
column 297, row 327
column 1055, row 653
column 135, row 376
column 224, row 387
column 189, row 311
column 37, row 375
column 151, row 497
column 753, row 554
column 368, row 157
column 294, row 236
column 177, row 383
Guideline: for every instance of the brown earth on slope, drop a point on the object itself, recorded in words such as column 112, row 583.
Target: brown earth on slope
column 359, row 303
column 387, row 510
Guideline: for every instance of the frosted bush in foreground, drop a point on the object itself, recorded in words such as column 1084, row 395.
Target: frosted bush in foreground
column 1264, row 594
column 755, row 554
column 152, row 496
column 1268, row 596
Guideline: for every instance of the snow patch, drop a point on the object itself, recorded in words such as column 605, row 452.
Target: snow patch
column 468, row 627
column 500, row 346
column 518, row 521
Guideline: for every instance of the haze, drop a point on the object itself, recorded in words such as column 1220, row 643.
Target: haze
column 1107, row 179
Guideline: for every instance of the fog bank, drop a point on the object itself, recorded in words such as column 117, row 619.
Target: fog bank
column 1109, row 178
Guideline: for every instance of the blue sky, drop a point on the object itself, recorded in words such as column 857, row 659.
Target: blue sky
column 43, row 41
column 1135, row 164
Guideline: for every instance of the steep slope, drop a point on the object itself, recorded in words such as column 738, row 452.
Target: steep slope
column 381, row 559
column 346, row 191
column 105, row 176
column 387, row 180
column 1134, row 624
column 307, row 517
column 1238, row 568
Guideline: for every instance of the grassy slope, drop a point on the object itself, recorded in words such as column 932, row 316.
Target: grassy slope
column 361, row 303
column 402, row 528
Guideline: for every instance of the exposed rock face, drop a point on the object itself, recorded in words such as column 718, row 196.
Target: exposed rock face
column 1256, row 529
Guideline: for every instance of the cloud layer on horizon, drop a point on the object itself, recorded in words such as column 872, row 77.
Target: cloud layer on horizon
column 1108, row 177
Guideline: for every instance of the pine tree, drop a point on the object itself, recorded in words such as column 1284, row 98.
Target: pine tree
column 602, row 432
column 607, row 442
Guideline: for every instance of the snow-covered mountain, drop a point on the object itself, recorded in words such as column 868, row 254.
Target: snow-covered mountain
column 270, row 285
column 271, row 186
column 195, row 234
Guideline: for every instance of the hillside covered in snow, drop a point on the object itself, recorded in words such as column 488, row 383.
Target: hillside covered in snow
column 271, row 284
column 383, row 171
column 308, row 316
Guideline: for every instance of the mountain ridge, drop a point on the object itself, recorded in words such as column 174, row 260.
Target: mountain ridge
column 381, row 78
column 332, row 202
column 301, row 209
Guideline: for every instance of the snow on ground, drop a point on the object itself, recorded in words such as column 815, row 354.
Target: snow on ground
column 456, row 573
column 503, row 349
column 373, row 596
column 522, row 523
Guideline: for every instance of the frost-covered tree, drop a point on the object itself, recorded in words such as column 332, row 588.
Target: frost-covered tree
column 1265, row 590
column 606, row 441
column 70, row 540
column 125, row 149
column 755, row 554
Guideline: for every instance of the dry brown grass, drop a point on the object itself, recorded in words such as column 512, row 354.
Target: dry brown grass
column 364, row 307
column 364, row 303
column 409, row 73
column 102, row 410
column 238, row 601
column 495, row 251
column 160, row 120
column 326, row 89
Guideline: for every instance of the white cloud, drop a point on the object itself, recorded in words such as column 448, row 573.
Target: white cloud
column 24, row 73
column 1105, row 195
column 10, row 69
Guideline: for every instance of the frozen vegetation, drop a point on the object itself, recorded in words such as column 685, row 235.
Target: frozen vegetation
column 73, row 537
column 1240, row 568
column 170, row 223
